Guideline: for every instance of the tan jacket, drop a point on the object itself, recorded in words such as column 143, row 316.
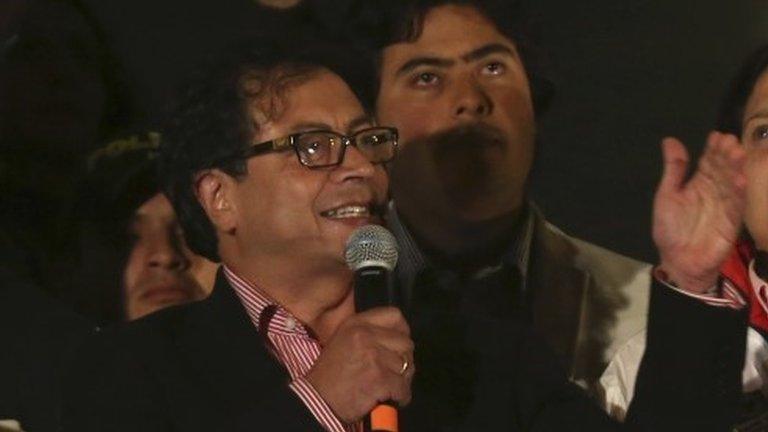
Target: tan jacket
column 587, row 301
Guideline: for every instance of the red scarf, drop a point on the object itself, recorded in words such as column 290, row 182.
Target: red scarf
column 736, row 270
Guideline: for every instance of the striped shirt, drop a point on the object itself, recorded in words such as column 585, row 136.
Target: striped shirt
column 292, row 344
column 724, row 294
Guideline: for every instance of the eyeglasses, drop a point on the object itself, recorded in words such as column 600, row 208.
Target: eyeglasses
column 325, row 149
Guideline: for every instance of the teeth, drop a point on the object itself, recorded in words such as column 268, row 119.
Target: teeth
column 347, row 212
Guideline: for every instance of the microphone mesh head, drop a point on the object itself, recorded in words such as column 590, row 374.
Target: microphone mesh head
column 371, row 246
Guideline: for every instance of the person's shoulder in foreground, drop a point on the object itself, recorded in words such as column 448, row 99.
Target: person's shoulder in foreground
column 206, row 354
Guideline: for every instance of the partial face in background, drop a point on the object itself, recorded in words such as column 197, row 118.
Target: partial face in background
column 284, row 209
column 462, row 72
column 755, row 138
column 161, row 271
column 51, row 83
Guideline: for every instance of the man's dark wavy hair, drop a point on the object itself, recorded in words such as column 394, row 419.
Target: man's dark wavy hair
column 372, row 25
column 730, row 116
column 210, row 122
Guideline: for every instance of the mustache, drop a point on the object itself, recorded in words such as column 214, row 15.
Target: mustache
column 478, row 135
column 466, row 156
column 462, row 165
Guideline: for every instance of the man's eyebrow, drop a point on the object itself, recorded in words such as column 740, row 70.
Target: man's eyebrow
column 476, row 54
column 486, row 50
column 363, row 120
column 414, row 63
column 757, row 115
column 310, row 126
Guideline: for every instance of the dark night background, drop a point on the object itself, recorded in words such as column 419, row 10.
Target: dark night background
column 628, row 73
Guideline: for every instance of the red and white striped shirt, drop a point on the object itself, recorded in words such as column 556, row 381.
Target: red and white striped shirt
column 722, row 295
column 291, row 343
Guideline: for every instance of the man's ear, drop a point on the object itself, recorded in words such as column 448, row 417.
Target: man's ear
column 215, row 191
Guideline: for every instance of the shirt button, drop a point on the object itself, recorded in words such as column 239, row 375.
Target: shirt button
column 290, row 324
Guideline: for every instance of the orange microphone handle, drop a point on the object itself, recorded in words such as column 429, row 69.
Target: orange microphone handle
column 383, row 418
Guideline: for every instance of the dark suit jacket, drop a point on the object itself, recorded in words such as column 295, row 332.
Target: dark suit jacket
column 479, row 367
column 203, row 367
column 35, row 333
column 196, row 367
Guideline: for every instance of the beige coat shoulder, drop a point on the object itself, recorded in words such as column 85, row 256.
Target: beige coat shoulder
column 590, row 300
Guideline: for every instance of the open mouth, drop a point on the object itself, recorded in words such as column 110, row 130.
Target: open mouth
column 349, row 211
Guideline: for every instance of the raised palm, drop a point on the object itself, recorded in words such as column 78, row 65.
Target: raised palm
column 696, row 222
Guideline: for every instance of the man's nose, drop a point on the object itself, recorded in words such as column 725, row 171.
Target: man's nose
column 472, row 100
column 354, row 165
column 166, row 254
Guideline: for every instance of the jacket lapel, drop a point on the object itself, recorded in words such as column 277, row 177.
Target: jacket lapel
column 557, row 290
column 221, row 348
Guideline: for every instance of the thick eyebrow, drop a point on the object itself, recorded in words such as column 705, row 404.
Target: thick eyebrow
column 310, row 126
column 474, row 55
column 355, row 123
column 414, row 63
column 757, row 115
column 486, row 50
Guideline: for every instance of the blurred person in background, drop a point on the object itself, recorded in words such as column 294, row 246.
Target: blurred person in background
column 127, row 259
column 56, row 98
column 133, row 259
column 61, row 96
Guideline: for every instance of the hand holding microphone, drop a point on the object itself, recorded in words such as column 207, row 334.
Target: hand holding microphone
column 369, row 360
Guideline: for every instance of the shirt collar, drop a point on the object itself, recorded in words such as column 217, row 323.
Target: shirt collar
column 256, row 303
column 412, row 260
column 756, row 281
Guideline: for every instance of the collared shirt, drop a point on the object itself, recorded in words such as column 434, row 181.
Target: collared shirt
column 292, row 344
column 724, row 294
column 412, row 260
column 759, row 286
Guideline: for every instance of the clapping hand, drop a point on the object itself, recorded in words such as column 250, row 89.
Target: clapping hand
column 697, row 222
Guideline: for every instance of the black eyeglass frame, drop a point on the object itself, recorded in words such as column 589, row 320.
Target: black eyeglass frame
column 283, row 143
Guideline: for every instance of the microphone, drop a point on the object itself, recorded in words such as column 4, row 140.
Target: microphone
column 371, row 252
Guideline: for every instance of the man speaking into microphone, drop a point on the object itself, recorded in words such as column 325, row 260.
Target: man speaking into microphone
column 271, row 164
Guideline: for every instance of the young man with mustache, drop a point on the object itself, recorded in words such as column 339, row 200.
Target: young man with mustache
column 462, row 84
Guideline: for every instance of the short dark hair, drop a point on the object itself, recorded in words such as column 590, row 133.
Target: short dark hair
column 210, row 122
column 372, row 25
column 121, row 176
column 731, row 114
